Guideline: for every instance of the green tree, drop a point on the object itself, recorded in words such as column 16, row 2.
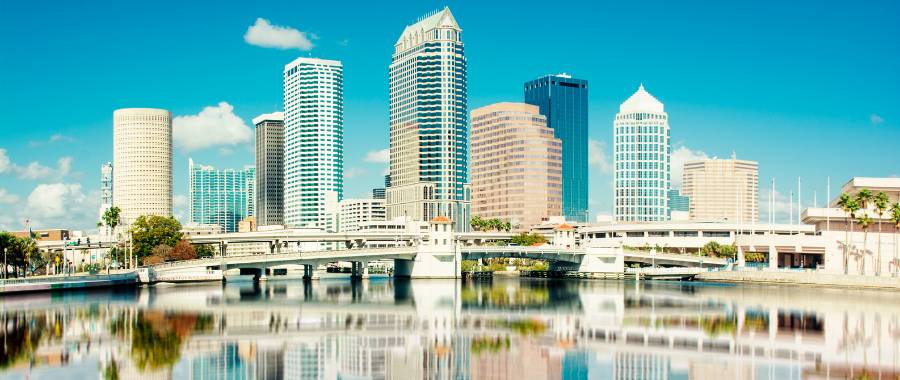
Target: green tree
column 111, row 217
column 714, row 249
column 477, row 223
column 148, row 232
column 881, row 203
column 864, row 221
column 204, row 251
column 7, row 241
column 528, row 239
column 848, row 205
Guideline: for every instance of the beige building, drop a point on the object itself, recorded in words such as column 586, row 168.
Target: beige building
column 142, row 156
column 516, row 165
column 722, row 189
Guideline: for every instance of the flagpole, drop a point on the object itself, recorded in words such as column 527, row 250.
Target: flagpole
column 827, row 206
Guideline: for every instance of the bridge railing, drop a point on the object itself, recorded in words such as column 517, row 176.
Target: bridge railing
column 337, row 255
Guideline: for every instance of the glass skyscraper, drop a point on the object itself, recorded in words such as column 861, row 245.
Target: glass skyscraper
column 222, row 197
column 642, row 159
column 269, row 168
column 564, row 101
column 313, row 142
column 429, row 122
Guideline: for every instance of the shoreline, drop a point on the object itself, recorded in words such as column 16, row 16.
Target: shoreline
column 811, row 279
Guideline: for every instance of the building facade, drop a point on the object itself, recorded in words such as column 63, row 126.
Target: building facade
column 313, row 141
column 429, row 122
column 516, row 165
column 356, row 211
column 564, row 101
column 678, row 202
column 221, row 197
column 642, row 159
column 270, row 168
column 142, row 158
column 722, row 189
column 106, row 195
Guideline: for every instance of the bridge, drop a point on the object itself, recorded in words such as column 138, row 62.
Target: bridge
column 434, row 251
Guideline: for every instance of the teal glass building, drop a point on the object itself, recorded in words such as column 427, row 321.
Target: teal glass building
column 564, row 101
column 678, row 202
column 222, row 197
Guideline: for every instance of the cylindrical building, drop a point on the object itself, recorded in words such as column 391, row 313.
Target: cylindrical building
column 142, row 156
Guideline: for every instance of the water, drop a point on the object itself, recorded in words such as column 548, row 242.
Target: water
column 443, row 329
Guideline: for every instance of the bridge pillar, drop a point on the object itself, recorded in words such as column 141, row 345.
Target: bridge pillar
column 309, row 272
column 277, row 247
column 603, row 260
column 773, row 257
column 436, row 257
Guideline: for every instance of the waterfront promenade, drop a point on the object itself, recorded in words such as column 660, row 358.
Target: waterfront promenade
column 78, row 281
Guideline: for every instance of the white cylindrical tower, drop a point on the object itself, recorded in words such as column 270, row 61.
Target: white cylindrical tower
column 142, row 156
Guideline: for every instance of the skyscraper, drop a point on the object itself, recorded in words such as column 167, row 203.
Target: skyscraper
column 221, row 197
column 313, row 141
column 516, row 165
column 641, row 156
column 722, row 189
column 564, row 101
column 269, row 168
column 429, row 122
column 142, row 157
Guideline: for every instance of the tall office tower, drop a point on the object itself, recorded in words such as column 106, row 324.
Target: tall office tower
column 355, row 211
column 269, row 168
column 428, row 116
column 142, row 157
column 642, row 157
column 221, row 197
column 722, row 189
column 378, row 193
column 516, row 165
column 313, row 141
column 564, row 101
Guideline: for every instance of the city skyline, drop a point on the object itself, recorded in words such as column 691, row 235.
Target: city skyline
column 53, row 168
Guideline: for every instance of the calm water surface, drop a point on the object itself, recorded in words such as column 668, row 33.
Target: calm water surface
column 437, row 329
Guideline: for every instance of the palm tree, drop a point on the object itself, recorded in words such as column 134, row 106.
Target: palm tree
column 7, row 241
column 864, row 222
column 111, row 217
column 881, row 203
column 848, row 205
column 895, row 218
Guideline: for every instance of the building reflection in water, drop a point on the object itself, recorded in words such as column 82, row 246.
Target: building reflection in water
column 501, row 329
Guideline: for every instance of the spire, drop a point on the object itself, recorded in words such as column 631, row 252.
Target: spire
column 641, row 101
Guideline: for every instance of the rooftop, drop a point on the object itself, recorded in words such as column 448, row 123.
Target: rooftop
column 274, row 116
column 641, row 101
column 438, row 19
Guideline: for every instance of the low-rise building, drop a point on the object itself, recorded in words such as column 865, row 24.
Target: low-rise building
column 356, row 211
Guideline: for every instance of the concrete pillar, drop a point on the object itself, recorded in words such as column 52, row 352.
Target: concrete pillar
column 263, row 274
column 739, row 260
column 277, row 247
column 364, row 269
column 773, row 257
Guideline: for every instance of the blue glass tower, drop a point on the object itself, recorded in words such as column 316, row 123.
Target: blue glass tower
column 564, row 101
column 222, row 197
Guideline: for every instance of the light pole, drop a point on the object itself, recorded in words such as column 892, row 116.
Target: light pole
column 4, row 263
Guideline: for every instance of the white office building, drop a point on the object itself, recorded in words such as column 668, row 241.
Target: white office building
column 429, row 123
column 642, row 159
column 142, row 157
column 313, row 142
column 355, row 211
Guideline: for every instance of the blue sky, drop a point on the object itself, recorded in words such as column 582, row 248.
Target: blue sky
column 806, row 88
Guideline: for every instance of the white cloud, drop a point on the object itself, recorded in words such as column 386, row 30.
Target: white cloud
column 35, row 170
column 783, row 212
column 214, row 125
column 54, row 138
column 264, row 34
column 226, row 151
column 8, row 198
column 876, row 119
column 382, row 156
column 681, row 155
column 350, row 173
column 597, row 156
column 62, row 205
column 180, row 208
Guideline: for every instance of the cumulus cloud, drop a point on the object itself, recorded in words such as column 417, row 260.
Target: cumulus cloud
column 351, row 173
column 8, row 198
column 264, row 34
column 382, row 156
column 876, row 119
column 681, row 155
column 180, row 208
column 62, row 205
column 213, row 126
column 54, row 138
column 35, row 170
column 597, row 156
